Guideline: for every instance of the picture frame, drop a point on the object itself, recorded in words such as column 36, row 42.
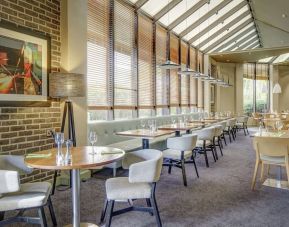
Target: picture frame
column 24, row 66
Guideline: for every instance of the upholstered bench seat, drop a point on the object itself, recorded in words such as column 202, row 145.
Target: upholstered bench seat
column 176, row 154
column 29, row 195
column 119, row 188
column 128, row 145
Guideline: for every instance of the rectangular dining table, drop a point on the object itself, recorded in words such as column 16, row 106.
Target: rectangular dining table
column 145, row 134
column 180, row 127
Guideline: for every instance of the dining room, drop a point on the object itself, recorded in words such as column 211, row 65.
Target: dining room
column 144, row 113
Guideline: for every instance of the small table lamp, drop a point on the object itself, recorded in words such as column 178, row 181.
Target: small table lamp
column 64, row 86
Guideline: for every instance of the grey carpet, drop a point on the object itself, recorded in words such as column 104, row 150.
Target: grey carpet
column 220, row 197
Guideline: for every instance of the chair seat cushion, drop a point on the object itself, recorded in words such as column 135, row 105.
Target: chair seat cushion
column 128, row 145
column 272, row 159
column 175, row 154
column 30, row 195
column 119, row 188
column 200, row 143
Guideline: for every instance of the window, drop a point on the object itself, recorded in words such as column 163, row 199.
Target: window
column 162, row 79
column 185, row 79
column 174, row 77
column 193, row 81
column 255, row 88
column 125, row 90
column 146, row 97
column 98, row 82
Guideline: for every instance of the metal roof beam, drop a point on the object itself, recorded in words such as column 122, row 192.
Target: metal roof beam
column 186, row 14
column 166, row 9
column 220, row 31
column 253, row 44
column 241, row 46
column 205, row 17
column 215, row 23
column 140, row 3
column 237, row 44
column 232, row 32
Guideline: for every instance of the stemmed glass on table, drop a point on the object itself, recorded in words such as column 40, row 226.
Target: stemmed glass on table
column 143, row 124
column 92, row 140
column 59, row 140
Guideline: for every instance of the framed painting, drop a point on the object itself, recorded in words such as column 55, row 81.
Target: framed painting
column 24, row 65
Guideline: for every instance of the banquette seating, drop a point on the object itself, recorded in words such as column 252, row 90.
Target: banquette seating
column 106, row 131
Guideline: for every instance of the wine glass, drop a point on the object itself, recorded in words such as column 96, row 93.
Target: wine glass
column 279, row 125
column 59, row 140
column 173, row 121
column 92, row 139
column 143, row 124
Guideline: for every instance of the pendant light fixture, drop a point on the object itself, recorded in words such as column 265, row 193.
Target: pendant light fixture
column 169, row 64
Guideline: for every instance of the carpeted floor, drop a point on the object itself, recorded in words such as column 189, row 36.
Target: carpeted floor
column 220, row 197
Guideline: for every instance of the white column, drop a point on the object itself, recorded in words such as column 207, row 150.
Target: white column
column 207, row 85
column 239, row 89
column 274, row 78
column 74, row 56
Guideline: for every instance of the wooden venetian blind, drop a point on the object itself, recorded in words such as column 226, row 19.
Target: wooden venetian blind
column 262, row 72
column 174, row 77
column 249, row 71
column 98, row 82
column 162, row 81
column 193, row 81
column 185, row 79
column 145, row 63
column 201, row 61
column 124, row 78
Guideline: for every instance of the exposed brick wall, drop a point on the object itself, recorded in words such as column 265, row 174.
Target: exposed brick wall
column 23, row 129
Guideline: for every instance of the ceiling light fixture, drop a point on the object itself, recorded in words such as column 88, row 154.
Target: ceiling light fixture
column 277, row 89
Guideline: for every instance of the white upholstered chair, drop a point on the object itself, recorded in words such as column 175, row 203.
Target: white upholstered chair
column 205, row 143
column 180, row 152
column 224, row 125
column 242, row 124
column 270, row 151
column 22, row 197
column 230, row 129
column 144, row 172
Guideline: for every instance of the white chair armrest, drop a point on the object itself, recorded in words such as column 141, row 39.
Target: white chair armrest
column 14, row 163
column 9, row 181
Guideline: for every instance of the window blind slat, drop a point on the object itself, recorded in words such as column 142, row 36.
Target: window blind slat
column 98, row 82
column 174, row 77
column 184, row 78
column 124, row 81
column 145, row 63
column 161, row 76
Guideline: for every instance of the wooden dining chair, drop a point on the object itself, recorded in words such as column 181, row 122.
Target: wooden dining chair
column 270, row 151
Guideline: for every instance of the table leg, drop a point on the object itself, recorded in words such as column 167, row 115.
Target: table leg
column 177, row 133
column 76, row 197
column 145, row 143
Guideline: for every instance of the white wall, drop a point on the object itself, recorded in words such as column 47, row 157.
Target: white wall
column 284, row 83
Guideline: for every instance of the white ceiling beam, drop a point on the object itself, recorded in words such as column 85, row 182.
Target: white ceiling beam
column 244, row 39
column 166, row 9
column 228, row 35
column 186, row 14
column 140, row 3
column 215, row 23
column 253, row 44
column 224, row 28
column 246, row 43
column 205, row 17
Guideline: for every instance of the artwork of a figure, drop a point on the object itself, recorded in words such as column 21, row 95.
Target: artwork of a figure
column 20, row 67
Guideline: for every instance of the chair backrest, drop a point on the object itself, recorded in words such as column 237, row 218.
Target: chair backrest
column 242, row 119
column 224, row 124
column 231, row 122
column 144, row 165
column 218, row 130
column 206, row 133
column 271, row 146
column 14, row 163
column 184, row 143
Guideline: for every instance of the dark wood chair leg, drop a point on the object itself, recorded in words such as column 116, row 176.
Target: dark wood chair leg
column 170, row 167
column 51, row 210
column 103, row 212
column 183, row 169
column 220, row 145
column 149, row 204
column 155, row 207
column 41, row 214
column 195, row 165
column 224, row 139
column 54, row 182
column 2, row 214
column 109, row 213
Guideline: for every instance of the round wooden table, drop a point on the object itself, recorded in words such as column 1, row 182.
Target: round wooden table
column 82, row 158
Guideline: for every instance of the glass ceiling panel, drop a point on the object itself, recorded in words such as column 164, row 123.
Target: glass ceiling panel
column 221, row 25
column 196, row 15
column 256, row 46
column 177, row 11
column 133, row 1
column 251, row 25
column 265, row 60
column 246, row 42
column 222, row 34
column 281, row 58
column 152, row 7
column 215, row 17
column 255, row 42
column 237, row 40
